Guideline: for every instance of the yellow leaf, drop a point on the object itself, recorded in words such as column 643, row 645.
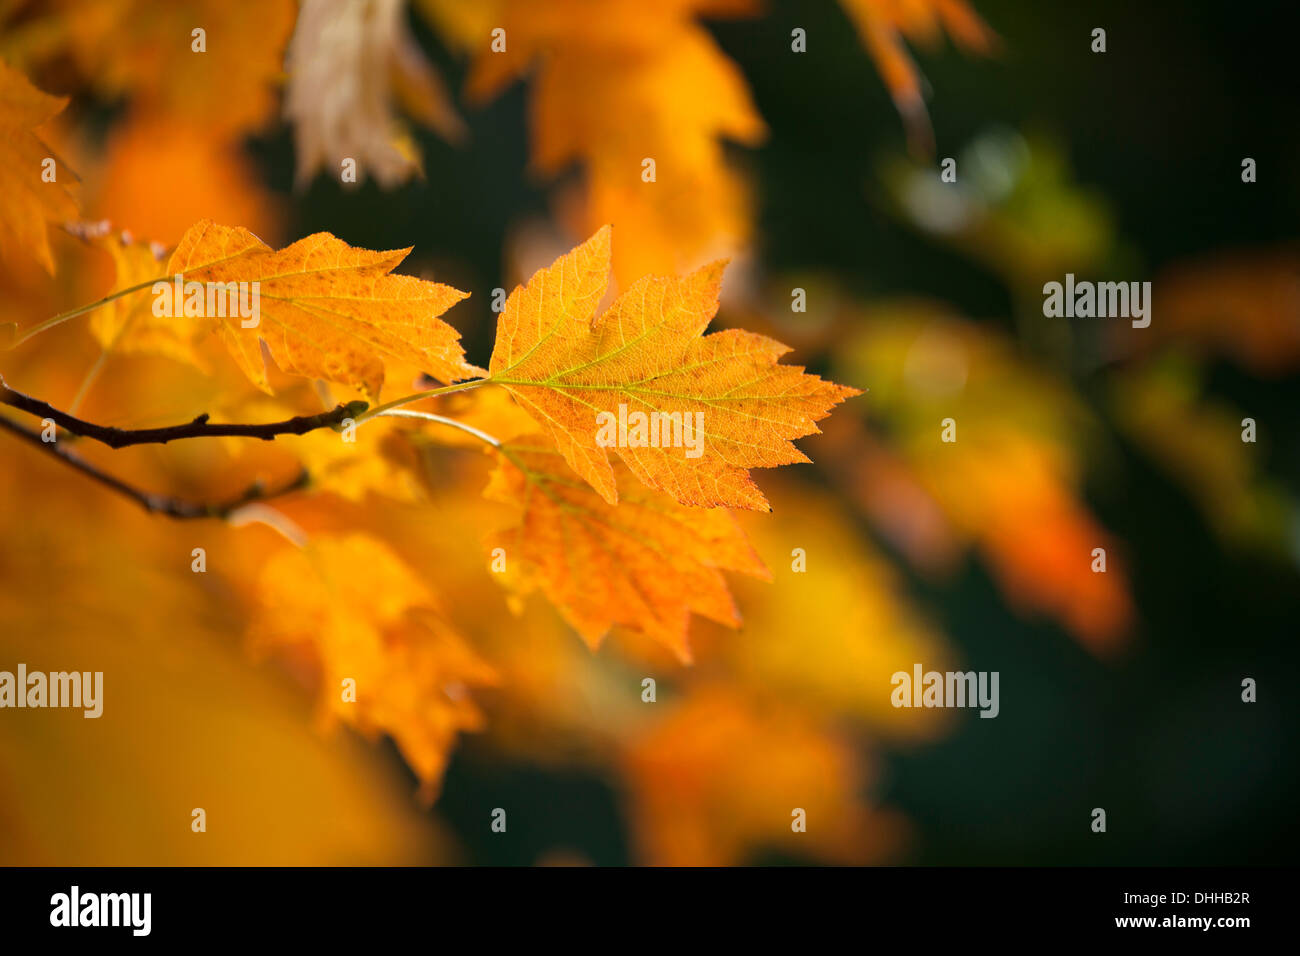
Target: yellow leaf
column 371, row 622
column 645, row 565
column 381, row 460
column 722, row 403
column 29, row 201
column 128, row 326
column 834, row 624
column 328, row 310
column 149, row 51
column 233, row 736
column 618, row 82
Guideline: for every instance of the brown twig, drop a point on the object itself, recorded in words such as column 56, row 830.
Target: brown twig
column 198, row 428
column 156, row 504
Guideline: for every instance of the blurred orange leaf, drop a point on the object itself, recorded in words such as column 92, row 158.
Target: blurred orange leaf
column 718, row 780
column 30, row 202
column 1245, row 304
column 370, row 621
column 1006, row 480
column 883, row 25
column 151, row 52
column 160, row 175
column 618, row 82
column 128, row 326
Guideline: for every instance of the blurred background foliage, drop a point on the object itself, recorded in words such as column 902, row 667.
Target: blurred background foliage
column 1119, row 691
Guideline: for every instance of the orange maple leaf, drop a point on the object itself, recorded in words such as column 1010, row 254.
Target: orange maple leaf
column 645, row 564
column 723, row 402
column 29, row 201
column 202, row 175
column 883, row 25
column 366, row 618
column 150, row 52
column 617, row 82
column 328, row 310
column 714, row 781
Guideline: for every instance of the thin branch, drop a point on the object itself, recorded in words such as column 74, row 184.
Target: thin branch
column 156, row 504
column 198, row 428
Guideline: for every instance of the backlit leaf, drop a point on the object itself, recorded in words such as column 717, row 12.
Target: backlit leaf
column 645, row 564
column 734, row 406
column 328, row 310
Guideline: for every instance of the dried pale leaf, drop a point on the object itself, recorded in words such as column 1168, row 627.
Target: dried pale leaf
column 347, row 61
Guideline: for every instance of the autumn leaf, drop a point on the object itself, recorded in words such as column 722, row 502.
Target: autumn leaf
column 348, row 61
column 646, row 354
column 221, row 181
column 884, row 24
column 1009, row 482
column 176, row 685
column 29, row 201
column 832, row 626
column 328, row 310
column 645, row 565
column 616, row 82
column 368, row 620
column 128, row 326
column 149, row 52
column 386, row 463
column 1244, row 304
column 714, row 781
column 1163, row 408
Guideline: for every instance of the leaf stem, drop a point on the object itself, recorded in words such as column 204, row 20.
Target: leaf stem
column 258, row 513
column 442, row 420
column 417, row 396
column 82, row 310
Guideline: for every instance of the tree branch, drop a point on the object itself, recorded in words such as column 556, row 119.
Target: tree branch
column 198, row 428
column 156, row 504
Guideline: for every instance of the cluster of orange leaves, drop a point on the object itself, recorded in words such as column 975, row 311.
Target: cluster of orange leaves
column 635, row 543
column 638, row 543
